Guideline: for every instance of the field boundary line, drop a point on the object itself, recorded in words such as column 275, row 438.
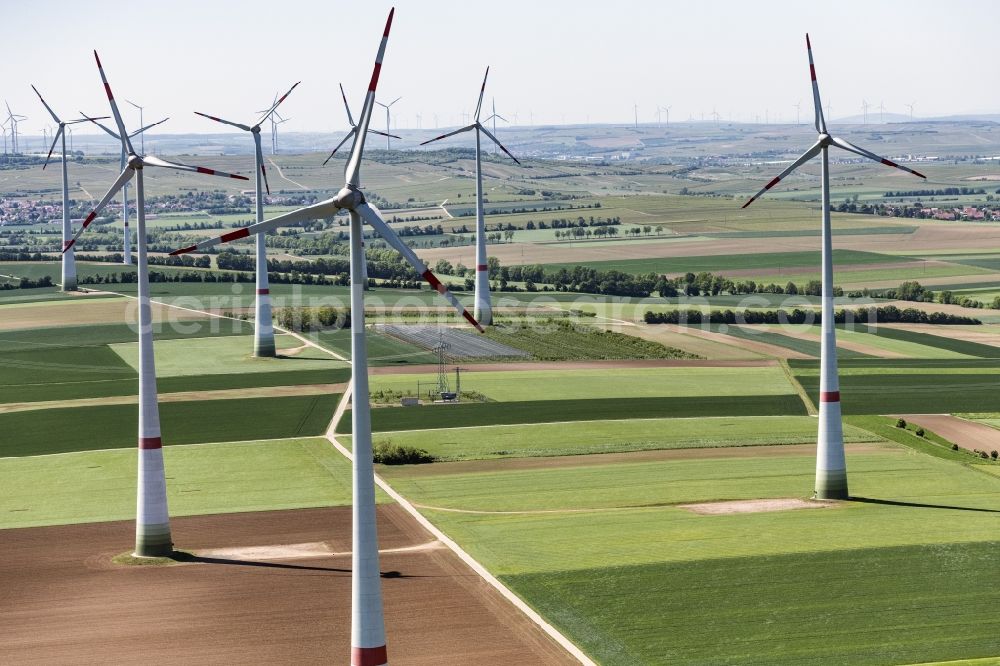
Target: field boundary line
column 167, row 446
column 471, row 562
column 799, row 389
column 278, row 169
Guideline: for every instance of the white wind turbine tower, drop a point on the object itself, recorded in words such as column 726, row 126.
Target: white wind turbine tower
column 127, row 231
column 68, row 259
column 910, row 107
column 152, row 525
column 263, row 339
column 798, row 112
column 831, row 466
column 484, row 305
column 367, row 620
column 388, row 129
column 12, row 121
column 142, row 149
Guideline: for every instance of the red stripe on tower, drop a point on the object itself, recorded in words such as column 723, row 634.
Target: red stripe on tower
column 263, row 292
column 67, row 245
column 150, row 443
column 233, row 235
column 482, row 267
column 368, row 656
column 829, row 396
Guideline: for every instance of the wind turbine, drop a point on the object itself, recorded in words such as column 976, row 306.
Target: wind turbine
column 143, row 139
column 484, row 306
column 798, row 112
column 881, row 113
column 910, row 107
column 263, row 338
column 276, row 120
column 12, row 120
column 123, row 160
column 635, row 110
column 831, row 466
column 152, row 525
column 68, row 258
column 354, row 132
column 368, row 623
column 387, row 128
column 864, row 109
column 494, row 117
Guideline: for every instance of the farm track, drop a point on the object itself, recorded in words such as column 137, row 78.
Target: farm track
column 530, row 366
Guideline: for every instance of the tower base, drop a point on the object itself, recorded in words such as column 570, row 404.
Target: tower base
column 831, row 484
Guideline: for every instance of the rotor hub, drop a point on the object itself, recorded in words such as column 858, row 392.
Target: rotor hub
column 135, row 161
column 349, row 197
column 825, row 139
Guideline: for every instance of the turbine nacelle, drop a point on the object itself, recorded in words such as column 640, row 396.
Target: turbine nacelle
column 134, row 161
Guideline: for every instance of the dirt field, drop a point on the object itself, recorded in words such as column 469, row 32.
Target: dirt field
column 752, row 345
column 985, row 335
column 62, row 601
column 753, row 506
column 710, row 349
column 967, row 434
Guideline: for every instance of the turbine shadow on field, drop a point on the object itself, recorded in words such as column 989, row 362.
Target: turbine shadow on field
column 197, row 559
column 918, row 505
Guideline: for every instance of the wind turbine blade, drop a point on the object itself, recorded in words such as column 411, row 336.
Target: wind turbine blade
column 445, row 136
column 369, row 215
column 106, row 129
column 315, row 212
column 280, row 100
column 820, row 121
column 857, row 150
column 347, row 107
column 806, row 156
column 47, row 107
column 354, row 164
column 354, row 131
column 224, row 122
column 374, row 131
column 85, row 120
column 497, row 141
column 143, row 129
column 149, row 160
column 482, row 90
column 260, row 160
column 125, row 176
column 49, row 156
column 497, row 115
column 114, row 107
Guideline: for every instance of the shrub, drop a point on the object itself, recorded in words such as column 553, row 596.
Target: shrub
column 919, row 432
column 994, row 454
column 983, row 455
column 388, row 453
column 954, row 447
column 901, row 423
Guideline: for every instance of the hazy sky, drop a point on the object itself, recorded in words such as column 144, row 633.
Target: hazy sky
column 565, row 61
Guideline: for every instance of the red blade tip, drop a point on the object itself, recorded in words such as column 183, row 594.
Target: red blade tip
column 184, row 250
column 388, row 23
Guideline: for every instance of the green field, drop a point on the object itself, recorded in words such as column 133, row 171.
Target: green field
column 894, row 577
column 771, row 337
column 724, row 263
column 583, row 384
column 552, row 411
column 613, row 436
column 224, row 355
column 34, row 432
column 97, row 486
column 562, row 341
column 921, row 386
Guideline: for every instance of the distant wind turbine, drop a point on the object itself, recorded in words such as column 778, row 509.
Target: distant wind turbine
column 68, row 258
column 263, row 339
column 388, row 135
column 484, row 307
column 831, row 465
